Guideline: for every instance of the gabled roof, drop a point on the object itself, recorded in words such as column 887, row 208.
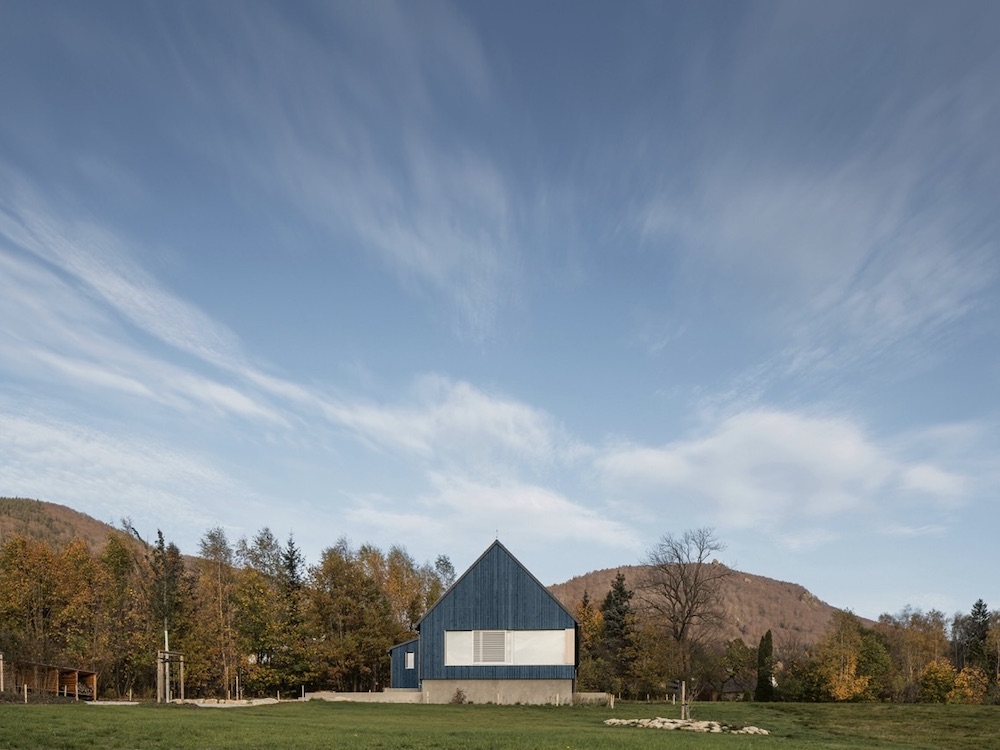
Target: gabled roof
column 496, row 545
column 407, row 642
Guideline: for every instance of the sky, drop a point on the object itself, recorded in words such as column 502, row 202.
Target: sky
column 574, row 275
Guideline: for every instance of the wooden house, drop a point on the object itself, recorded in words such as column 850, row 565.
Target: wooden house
column 496, row 636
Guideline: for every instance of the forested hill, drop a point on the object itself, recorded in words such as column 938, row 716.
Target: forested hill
column 50, row 522
column 754, row 604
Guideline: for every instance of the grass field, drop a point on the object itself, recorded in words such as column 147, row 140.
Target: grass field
column 315, row 725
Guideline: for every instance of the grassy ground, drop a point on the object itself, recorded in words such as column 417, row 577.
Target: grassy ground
column 305, row 726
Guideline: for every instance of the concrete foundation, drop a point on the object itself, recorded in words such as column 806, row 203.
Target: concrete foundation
column 391, row 695
column 501, row 692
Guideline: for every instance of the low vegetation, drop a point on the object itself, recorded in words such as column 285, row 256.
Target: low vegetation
column 315, row 724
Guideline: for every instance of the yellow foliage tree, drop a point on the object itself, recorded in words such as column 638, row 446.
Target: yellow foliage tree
column 937, row 681
column 970, row 686
column 838, row 658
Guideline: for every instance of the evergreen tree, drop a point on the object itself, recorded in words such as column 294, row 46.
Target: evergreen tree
column 618, row 618
column 764, row 691
column 977, row 628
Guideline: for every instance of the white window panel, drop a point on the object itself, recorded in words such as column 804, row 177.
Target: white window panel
column 516, row 647
column 543, row 647
column 457, row 648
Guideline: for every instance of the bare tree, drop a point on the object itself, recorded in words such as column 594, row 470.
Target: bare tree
column 681, row 587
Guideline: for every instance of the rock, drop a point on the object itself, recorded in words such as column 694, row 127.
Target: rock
column 688, row 725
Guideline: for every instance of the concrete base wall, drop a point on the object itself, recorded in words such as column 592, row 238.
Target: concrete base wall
column 391, row 695
column 529, row 692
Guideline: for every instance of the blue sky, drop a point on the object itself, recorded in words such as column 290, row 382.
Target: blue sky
column 577, row 274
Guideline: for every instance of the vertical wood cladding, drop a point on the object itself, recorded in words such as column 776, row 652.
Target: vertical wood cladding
column 496, row 593
column 400, row 676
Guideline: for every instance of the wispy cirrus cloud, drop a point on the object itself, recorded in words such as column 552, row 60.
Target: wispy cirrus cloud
column 75, row 302
column 108, row 475
column 851, row 231
column 358, row 150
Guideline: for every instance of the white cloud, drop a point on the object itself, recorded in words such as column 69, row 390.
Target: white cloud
column 768, row 467
column 933, row 481
column 108, row 476
column 475, row 510
column 447, row 420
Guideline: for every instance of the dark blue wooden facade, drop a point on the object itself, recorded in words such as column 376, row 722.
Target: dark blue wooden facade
column 401, row 676
column 496, row 593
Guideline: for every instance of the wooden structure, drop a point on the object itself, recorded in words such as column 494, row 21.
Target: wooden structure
column 69, row 682
column 169, row 683
column 496, row 636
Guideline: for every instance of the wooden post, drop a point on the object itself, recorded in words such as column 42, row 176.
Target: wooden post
column 684, row 705
column 1, row 672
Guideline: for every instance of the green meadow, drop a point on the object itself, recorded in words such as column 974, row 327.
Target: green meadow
column 316, row 724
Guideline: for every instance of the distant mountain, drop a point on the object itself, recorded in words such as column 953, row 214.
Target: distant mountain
column 53, row 523
column 754, row 604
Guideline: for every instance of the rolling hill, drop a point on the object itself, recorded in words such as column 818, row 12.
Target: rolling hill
column 53, row 523
column 754, row 603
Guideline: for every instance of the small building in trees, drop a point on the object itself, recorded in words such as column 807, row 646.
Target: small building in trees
column 496, row 636
column 47, row 679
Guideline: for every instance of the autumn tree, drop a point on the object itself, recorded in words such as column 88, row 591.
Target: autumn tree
column 914, row 639
column 970, row 686
column 28, row 600
column 682, row 588
column 257, row 618
column 351, row 620
column 121, row 653
column 213, row 658
column 591, row 667
column 993, row 643
column 445, row 570
column 937, row 681
column 838, row 656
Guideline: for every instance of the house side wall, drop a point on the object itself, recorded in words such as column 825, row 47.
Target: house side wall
column 497, row 593
column 399, row 675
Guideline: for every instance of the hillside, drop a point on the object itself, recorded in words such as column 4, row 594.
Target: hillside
column 53, row 523
column 754, row 604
